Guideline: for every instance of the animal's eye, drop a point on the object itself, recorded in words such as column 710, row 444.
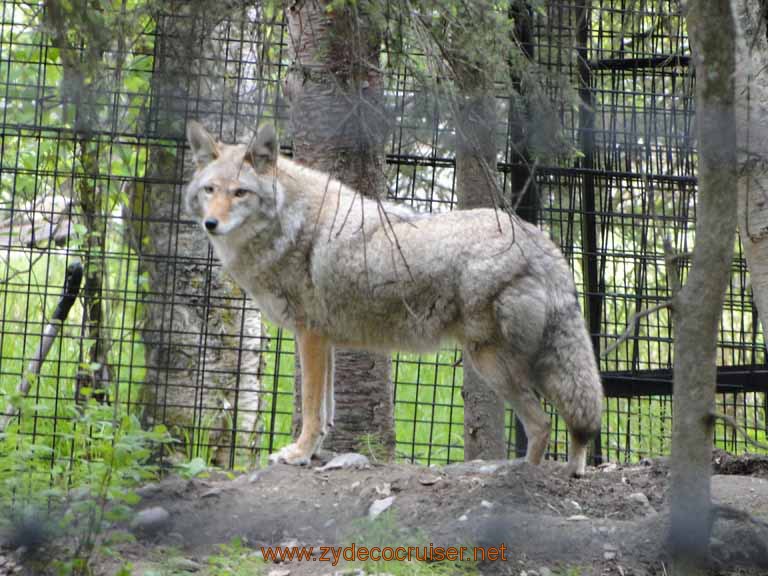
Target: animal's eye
column 208, row 190
column 241, row 193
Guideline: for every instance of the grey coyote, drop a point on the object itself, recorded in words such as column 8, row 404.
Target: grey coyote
column 340, row 269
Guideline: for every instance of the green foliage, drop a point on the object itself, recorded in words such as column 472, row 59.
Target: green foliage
column 454, row 51
column 385, row 531
column 102, row 49
column 372, row 446
column 54, row 388
column 110, row 455
column 234, row 559
column 193, row 468
column 570, row 571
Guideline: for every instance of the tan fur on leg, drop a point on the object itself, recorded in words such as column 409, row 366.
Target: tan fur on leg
column 314, row 350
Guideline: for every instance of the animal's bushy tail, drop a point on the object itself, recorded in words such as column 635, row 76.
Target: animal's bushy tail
column 567, row 374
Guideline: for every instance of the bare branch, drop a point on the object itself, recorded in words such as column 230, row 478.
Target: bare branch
column 631, row 324
column 740, row 430
column 19, row 271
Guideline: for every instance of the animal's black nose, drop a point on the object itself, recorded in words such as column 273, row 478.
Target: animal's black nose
column 210, row 224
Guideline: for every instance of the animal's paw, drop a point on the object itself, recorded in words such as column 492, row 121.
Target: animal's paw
column 291, row 454
column 574, row 470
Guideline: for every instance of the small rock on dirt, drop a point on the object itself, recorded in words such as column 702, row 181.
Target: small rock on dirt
column 379, row 506
column 384, row 489
column 184, row 565
column 429, row 479
column 253, row 478
column 611, row 551
column 279, row 572
column 642, row 499
column 174, row 539
column 151, row 520
column 215, row 491
column 346, row 460
column 148, row 489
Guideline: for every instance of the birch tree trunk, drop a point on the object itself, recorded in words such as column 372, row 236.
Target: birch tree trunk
column 203, row 362
column 752, row 118
column 698, row 305
column 334, row 87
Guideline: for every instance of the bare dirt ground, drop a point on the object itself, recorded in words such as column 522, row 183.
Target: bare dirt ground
column 611, row 522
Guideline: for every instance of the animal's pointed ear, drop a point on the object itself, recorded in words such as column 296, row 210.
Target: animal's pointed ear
column 204, row 147
column 263, row 149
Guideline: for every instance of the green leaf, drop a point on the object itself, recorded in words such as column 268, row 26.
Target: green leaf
column 193, row 468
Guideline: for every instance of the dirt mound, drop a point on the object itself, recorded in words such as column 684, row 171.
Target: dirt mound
column 746, row 465
column 611, row 522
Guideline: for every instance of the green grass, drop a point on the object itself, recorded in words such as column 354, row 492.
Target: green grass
column 429, row 409
column 386, row 532
column 234, row 559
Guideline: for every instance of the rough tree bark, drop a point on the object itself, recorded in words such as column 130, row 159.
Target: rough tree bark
column 476, row 187
column 752, row 118
column 476, row 118
column 334, row 87
column 201, row 361
column 697, row 306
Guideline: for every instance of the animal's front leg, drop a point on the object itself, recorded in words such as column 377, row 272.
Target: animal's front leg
column 314, row 350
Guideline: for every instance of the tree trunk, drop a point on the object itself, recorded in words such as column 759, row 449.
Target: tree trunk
column 698, row 305
column 80, row 58
column 752, row 118
column 524, row 194
column 476, row 182
column 203, row 371
column 476, row 187
column 334, row 87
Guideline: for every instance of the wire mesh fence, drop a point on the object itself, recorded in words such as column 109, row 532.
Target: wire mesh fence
column 93, row 161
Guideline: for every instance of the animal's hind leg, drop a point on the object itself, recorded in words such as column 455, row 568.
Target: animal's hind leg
column 514, row 385
column 527, row 407
column 577, row 454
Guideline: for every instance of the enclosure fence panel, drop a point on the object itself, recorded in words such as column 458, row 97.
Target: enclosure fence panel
column 93, row 161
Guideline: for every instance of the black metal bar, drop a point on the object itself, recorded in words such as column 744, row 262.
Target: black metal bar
column 730, row 380
column 589, row 220
column 661, row 61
